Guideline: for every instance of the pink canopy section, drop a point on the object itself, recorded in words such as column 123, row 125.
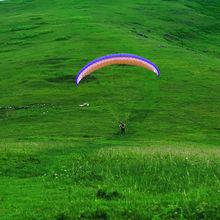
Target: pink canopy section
column 127, row 59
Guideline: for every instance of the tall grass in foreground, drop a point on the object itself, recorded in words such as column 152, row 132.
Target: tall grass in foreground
column 67, row 181
column 177, row 184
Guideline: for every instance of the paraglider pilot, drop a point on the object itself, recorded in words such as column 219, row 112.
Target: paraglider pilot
column 122, row 127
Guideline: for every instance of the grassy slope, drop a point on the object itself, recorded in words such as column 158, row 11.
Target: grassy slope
column 59, row 160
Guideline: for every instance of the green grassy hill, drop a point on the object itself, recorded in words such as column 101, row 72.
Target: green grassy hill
column 61, row 161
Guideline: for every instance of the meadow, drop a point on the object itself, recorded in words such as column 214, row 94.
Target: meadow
column 61, row 161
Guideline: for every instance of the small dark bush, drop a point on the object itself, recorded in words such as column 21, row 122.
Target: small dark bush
column 104, row 194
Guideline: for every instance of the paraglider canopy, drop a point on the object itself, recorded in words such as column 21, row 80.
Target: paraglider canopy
column 127, row 59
